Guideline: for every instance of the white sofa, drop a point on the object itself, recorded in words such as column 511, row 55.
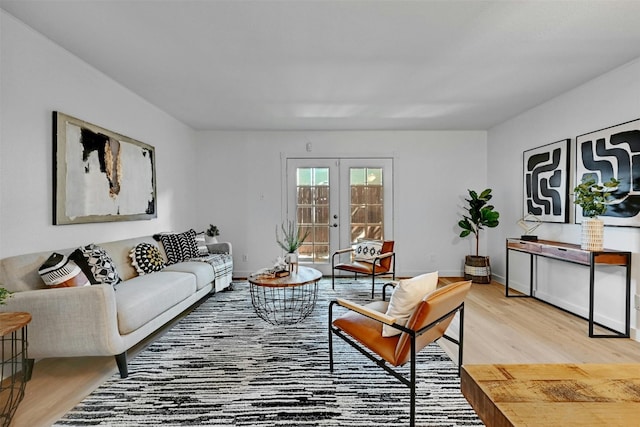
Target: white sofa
column 101, row 320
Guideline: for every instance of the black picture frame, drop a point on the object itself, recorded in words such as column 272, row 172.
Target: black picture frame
column 613, row 152
column 546, row 182
column 100, row 175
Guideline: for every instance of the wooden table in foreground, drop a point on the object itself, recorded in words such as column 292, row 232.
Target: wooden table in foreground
column 554, row 394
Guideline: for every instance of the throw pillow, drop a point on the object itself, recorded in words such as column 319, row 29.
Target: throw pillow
column 58, row 271
column 179, row 247
column 146, row 258
column 201, row 243
column 406, row 297
column 96, row 264
column 367, row 250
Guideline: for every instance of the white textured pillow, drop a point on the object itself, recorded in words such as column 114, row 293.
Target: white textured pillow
column 406, row 297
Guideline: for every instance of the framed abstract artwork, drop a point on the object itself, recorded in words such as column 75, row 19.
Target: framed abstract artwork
column 99, row 175
column 546, row 182
column 613, row 152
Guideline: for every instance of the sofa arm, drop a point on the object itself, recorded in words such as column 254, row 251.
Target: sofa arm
column 219, row 248
column 70, row 321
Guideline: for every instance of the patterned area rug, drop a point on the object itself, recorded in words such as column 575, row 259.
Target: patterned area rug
column 224, row 366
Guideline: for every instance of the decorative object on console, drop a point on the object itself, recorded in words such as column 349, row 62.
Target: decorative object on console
column 99, row 175
column 546, row 181
column 58, row 271
column 96, row 264
column 146, row 258
column 528, row 229
column 611, row 153
column 594, row 198
column 479, row 214
column 211, row 234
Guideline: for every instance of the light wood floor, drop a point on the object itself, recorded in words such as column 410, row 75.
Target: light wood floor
column 497, row 330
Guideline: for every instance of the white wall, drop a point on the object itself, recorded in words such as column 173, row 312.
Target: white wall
column 608, row 100
column 432, row 171
column 38, row 77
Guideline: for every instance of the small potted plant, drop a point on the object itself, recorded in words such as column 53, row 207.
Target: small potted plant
column 594, row 199
column 479, row 214
column 4, row 294
column 211, row 234
column 290, row 237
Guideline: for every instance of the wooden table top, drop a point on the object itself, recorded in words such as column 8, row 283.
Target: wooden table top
column 554, row 394
column 303, row 276
column 12, row 321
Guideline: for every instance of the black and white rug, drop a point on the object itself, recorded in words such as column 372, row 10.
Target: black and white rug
column 224, row 366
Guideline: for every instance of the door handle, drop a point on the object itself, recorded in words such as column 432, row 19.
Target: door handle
column 335, row 224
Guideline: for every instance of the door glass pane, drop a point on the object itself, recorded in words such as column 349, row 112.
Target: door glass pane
column 312, row 186
column 367, row 204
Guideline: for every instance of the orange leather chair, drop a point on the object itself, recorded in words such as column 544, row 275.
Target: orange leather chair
column 361, row 327
column 384, row 263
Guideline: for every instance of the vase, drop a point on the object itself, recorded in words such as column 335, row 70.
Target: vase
column 292, row 260
column 592, row 234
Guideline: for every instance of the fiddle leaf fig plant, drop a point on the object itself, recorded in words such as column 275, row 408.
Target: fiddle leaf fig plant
column 592, row 197
column 479, row 214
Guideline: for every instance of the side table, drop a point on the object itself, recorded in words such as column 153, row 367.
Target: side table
column 15, row 368
column 285, row 300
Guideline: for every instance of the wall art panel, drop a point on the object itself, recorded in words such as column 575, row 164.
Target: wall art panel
column 613, row 152
column 99, row 175
column 546, row 182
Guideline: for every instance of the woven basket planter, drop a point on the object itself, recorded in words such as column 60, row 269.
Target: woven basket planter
column 477, row 269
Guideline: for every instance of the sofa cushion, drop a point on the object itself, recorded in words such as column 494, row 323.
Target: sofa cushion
column 201, row 270
column 143, row 298
column 58, row 271
column 96, row 264
column 179, row 246
column 201, row 242
column 146, row 258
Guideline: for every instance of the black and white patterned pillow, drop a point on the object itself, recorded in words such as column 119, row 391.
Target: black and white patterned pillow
column 96, row 264
column 179, row 247
column 146, row 258
column 367, row 250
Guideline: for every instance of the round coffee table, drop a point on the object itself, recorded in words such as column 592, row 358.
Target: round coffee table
column 285, row 300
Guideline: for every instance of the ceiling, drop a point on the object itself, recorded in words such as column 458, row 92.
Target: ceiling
column 342, row 65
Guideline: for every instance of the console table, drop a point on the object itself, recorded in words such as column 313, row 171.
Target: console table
column 572, row 253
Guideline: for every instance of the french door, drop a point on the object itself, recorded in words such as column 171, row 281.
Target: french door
column 339, row 201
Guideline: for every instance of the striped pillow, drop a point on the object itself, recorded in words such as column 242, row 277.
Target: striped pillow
column 179, row 247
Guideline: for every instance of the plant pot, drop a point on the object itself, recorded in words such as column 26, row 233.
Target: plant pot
column 292, row 260
column 592, row 234
column 477, row 269
column 209, row 240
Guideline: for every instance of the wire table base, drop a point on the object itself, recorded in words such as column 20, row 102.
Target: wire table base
column 285, row 300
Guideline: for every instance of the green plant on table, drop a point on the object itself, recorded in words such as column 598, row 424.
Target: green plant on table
column 592, row 197
column 290, row 236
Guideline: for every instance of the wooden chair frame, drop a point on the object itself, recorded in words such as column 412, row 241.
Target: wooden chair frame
column 413, row 335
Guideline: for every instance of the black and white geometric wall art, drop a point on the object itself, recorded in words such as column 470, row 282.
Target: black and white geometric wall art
column 99, row 175
column 546, row 182
column 613, row 152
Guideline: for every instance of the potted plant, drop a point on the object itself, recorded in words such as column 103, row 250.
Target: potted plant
column 4, row 294
column 479, row 214
column 211, row 234
column 290, row 238
column 594, row 199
